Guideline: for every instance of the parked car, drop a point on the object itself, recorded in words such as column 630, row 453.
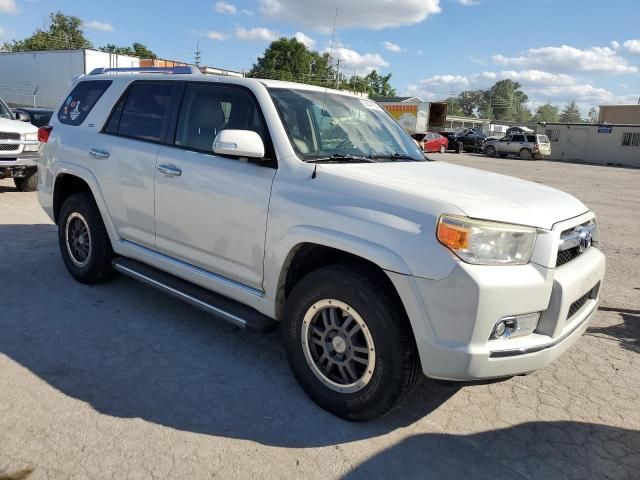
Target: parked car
column 37, row 116
column 466, row 140
column 19, row 147
column 266, row 203
column 516, row 130
column 525, row 146
column 431, row 142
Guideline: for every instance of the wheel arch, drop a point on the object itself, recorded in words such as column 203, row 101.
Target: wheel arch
column 73, row 179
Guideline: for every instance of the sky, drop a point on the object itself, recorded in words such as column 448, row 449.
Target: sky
column 559, row 50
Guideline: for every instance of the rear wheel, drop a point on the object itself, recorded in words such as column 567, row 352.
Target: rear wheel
column 28, row 183
column 84, row 242
column 349, row 343
column 490, row 151
column 525, row 154
column 442, row 149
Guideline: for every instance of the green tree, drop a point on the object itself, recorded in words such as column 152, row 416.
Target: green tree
column 289, row 59
column 136, row 50
column 503, row 101
column 594, row 115
column 379, row 85
column 62, row 32
column 571, row 113
column 546, row 113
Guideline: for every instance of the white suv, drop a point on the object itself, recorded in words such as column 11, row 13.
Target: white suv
column 265, row 202
column 19, row 147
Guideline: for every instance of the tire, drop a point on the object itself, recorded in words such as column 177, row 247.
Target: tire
column 525, row 154
column 28, row 183
column 537, row 156
column 490, row 151
column 362, row 304
column 442, row 149
column 83, row 239
column 459, row 147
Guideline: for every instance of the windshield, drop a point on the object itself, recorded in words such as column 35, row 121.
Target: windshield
column 330, row 125
column 4, row 111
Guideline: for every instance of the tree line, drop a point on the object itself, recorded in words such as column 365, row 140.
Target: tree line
column 505, row 101
column 64, row 32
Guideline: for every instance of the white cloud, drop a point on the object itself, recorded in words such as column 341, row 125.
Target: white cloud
column 302, row 38
column 246, row 11
column 468, row 3
column 374, row 14
column 96, row 25
column 213, row 35
column 226, row 8
column 632, row 46
column 3, row 32
column 539, row 85
column 393, row 47
column 569, row 59
column 351, row 60
column 615, row 45
column 8, row 6
column 257, row 33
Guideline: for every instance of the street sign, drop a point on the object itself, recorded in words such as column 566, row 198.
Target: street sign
column 604, row 129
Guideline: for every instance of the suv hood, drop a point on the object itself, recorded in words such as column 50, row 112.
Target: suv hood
column 479, row 194
column 16, row 126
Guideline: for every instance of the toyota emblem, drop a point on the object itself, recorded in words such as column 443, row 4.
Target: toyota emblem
column 584, row 234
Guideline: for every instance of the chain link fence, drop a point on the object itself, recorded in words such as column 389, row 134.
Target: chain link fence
column 30, row 96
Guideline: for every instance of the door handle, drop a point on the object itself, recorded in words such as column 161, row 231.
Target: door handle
column 99, row 154
column 169, row 170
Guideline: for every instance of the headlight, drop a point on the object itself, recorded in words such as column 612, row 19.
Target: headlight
column 31, row 137
column 486, row 243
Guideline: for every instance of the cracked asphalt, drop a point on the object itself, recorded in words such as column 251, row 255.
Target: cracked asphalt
column 118, row 381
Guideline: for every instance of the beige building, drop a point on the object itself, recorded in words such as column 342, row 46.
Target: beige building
column 611, row 144
column 627, row 114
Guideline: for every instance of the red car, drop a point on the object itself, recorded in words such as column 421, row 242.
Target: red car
column 432, row 142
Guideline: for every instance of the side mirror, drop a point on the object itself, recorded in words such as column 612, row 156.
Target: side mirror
column 23, row 116
column 240, row 143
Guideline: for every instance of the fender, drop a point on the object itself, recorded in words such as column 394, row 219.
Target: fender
column 277, row 257
column 67, row 168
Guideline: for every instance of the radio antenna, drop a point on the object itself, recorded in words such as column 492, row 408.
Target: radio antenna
column 324, row 97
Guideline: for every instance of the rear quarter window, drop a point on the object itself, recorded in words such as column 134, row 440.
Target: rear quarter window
column 531, row 138
column 81, row 101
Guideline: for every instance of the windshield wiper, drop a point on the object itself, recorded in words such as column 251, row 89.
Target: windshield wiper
column 395, row 156
column 339, row 157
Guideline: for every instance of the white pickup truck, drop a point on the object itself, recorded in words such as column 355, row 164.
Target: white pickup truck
column 19, row 147
column 271, row 203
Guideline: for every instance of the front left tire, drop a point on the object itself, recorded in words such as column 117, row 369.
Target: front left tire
column 28, row 183
column 83, row 239
column 349, row 342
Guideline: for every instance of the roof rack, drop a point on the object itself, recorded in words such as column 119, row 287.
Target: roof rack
column 180, row 70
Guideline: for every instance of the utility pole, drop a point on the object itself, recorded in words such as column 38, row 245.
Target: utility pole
column 196, row 56
column 338, row 75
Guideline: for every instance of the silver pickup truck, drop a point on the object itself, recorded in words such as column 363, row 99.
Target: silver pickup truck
column 19, row 147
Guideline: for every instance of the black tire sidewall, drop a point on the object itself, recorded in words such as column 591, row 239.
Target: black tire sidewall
column 385, row 388
column 28, row 183
column 99, row 266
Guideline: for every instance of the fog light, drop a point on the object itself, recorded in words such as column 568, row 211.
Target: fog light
column 515, row 326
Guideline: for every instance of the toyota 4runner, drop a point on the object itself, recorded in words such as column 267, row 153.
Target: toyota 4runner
column 266, row 202
column 19, row 148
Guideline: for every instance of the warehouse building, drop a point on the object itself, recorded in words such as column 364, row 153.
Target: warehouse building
column 607, row 144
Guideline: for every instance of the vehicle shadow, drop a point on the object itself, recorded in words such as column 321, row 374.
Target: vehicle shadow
column 132, row 352
column 536, row 450
column 627, row 333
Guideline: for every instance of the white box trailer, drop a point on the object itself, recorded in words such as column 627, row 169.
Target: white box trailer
column 418, row 117
column 41, row 79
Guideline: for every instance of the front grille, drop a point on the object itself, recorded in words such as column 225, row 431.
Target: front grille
column 565, row 256
column 9, row 136
column 578, row 304
column 9, row 148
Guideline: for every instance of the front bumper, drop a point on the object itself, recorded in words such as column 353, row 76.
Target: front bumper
column 22, row 160
column 453, row 318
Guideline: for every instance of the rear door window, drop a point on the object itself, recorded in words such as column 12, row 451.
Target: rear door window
column 518, row 138
column 531, row 138
column 142, row 112
column 81, row 101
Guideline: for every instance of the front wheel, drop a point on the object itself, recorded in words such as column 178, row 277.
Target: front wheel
column 84, row 242
column 442, row 149
column 490, row 151
column 349, row 343
column 28, row 183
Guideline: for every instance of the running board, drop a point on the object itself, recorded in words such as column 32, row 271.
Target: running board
column 222, row 307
